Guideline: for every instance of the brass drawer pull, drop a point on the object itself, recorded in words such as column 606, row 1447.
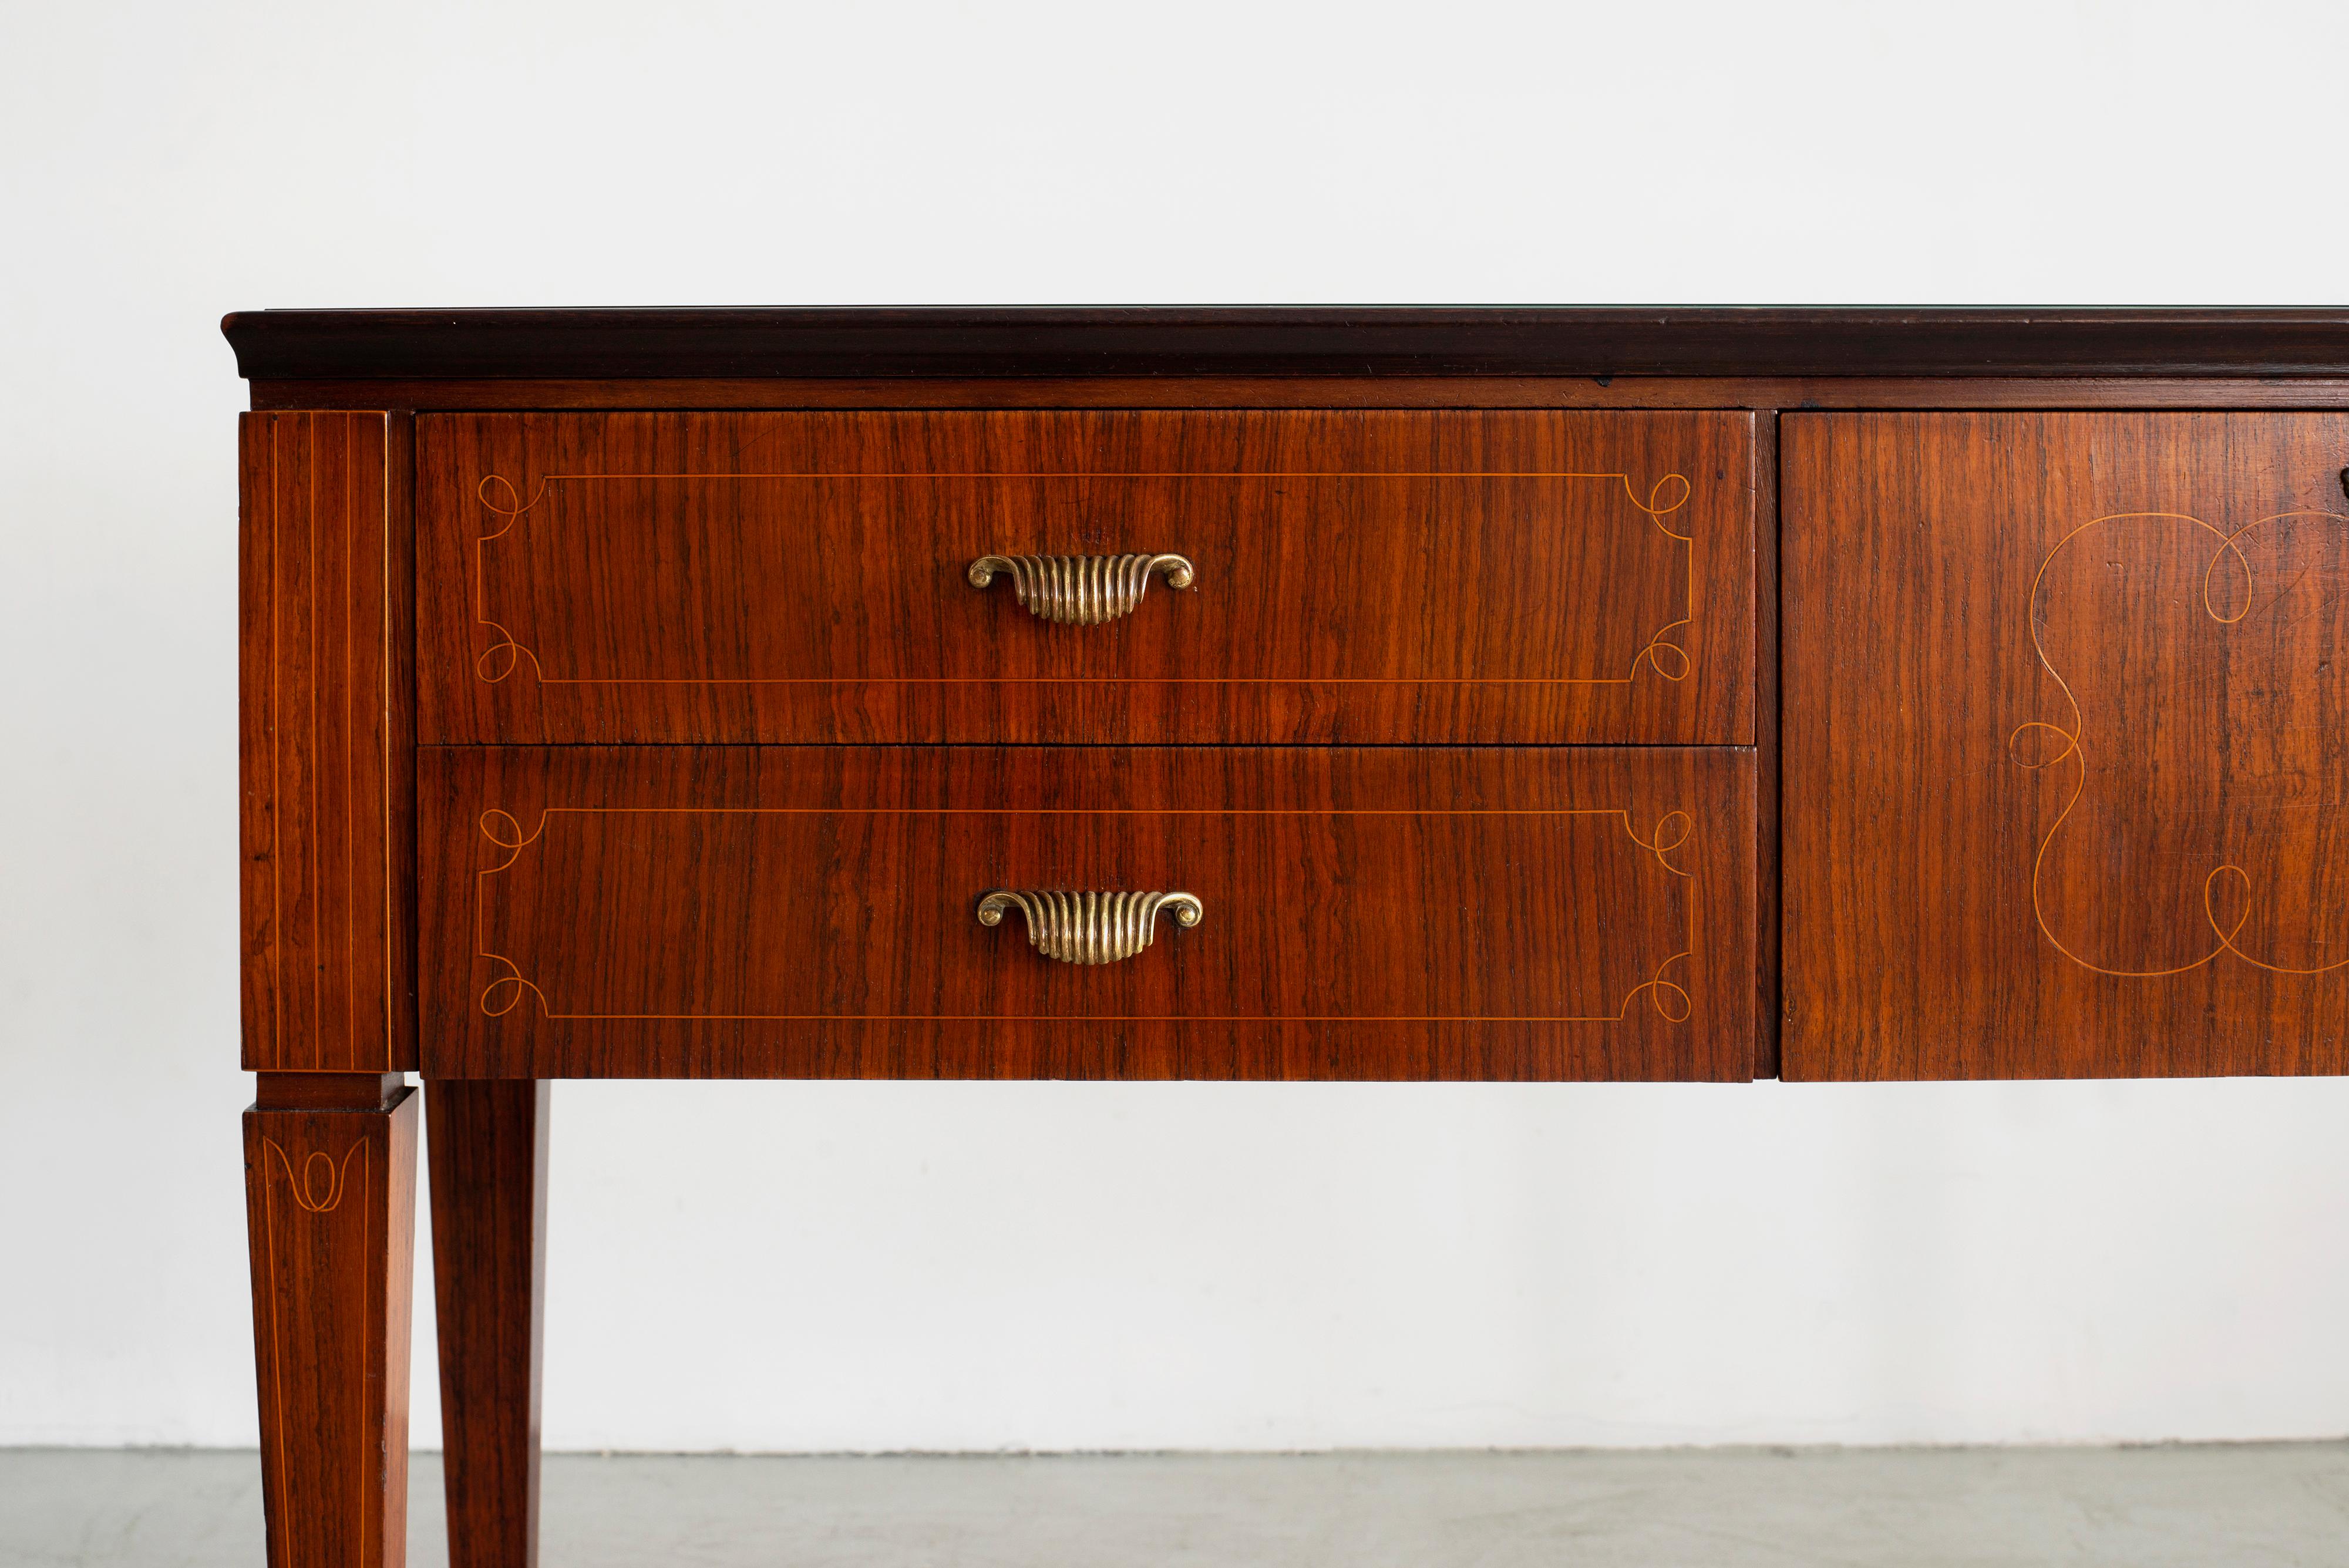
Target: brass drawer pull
column 1081, row 591
column 1091, row 928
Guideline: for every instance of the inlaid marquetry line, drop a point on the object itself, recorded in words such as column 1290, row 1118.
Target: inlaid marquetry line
column 505, row 990
column 1665, row 653
column 2075, row 748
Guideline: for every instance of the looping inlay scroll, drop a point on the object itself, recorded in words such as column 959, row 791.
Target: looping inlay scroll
column 498, row 496
column 504, row 992
column 2039, row 743
column 1665, row 657
column 514, row 505
column 1657, row 506
column 1667, row 997
column 1091, row 928
column 1673, row 829
column 319, row 1186
column 1081, row 591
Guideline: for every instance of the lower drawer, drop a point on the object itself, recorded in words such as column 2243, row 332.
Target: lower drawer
column 820, row 912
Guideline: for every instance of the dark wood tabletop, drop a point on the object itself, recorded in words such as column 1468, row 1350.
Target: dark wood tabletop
column 870, row 342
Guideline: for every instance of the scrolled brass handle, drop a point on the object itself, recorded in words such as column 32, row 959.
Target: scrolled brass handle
column 1091, row 928
column 1081, row 591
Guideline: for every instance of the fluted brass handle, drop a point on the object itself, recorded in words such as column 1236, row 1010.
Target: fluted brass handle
column 1091, row 928
column 1081, row 591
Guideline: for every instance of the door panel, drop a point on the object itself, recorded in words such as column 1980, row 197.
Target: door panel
column 2066, row 744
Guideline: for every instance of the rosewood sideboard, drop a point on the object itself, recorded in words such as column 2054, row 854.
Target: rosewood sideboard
column 1530, row 694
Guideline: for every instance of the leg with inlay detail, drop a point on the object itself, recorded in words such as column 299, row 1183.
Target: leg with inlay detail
column 488, row 1144
column 330, row 1201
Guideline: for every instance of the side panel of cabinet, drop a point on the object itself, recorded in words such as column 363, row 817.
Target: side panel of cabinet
column 2066, row 744
column 327, row 743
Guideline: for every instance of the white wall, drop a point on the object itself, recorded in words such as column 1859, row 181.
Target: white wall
column 946, row 1266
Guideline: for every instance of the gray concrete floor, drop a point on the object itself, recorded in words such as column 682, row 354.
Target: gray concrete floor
column 2241, row 1507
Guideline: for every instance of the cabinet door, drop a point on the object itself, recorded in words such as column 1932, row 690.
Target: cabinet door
column 2066, row 744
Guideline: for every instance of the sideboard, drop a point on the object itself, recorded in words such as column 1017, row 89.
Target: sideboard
column 1395, row 693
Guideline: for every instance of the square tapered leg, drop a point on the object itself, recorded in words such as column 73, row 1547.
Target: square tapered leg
column 330, row 1197
column 488, row 1143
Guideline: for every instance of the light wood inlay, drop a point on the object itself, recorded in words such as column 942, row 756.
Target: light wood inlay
column 2246, row 825
column 780, row 838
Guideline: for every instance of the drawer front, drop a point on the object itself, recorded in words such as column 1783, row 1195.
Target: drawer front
column 2066, row 744
column 1347, row 577
column 814, row 913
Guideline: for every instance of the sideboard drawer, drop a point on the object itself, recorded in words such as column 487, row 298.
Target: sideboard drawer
column 1234, row 576
column 1401, row 913
column 2066, row 755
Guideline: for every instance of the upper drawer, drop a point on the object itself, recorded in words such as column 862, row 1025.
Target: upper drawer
column 1361, row 576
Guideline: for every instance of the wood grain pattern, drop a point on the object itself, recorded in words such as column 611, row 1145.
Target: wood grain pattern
column 327, row 743
column 488, row 1148
column 1333, row 341
column 1360, row 578
column 809, row 912
column 330, row 1197
column 2066, row 744
column 306, row 1091
column 1768, row 782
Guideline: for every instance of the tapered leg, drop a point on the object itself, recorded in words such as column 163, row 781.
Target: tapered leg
column 330, row 1204
column 488, row 1149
